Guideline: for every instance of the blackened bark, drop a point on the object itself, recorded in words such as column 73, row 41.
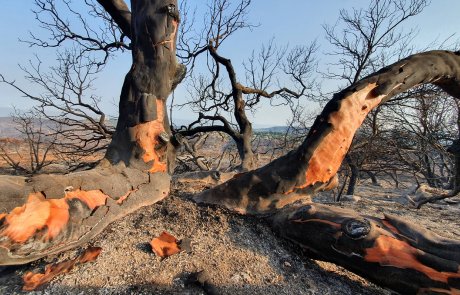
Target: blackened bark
column 354, row 175
column 391, row 252
column 244, row 146
column 313, row 166
column 53, row 213
column 120, row 13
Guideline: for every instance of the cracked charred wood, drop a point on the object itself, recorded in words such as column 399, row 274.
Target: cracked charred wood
column 390, row 251
column 313, row 166
column 47, row 214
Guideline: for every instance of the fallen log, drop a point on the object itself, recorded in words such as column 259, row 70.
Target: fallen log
column 390, row 252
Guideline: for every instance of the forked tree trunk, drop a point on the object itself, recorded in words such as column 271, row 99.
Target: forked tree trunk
column 393, row 253
column 64, row 211
column 58, row 212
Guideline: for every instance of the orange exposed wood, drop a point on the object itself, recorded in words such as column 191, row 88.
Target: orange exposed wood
column 165, row 245
column 58, row 217
column 390, row 227
column 23, row 222
column 147, row 137
column 328, row 156
column 124, row 197
column 34, row 280
column 172, row 38
column 39, row 213
column 93, row 199
column 388, row 251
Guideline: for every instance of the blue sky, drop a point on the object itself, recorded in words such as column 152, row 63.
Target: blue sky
column 293, row 22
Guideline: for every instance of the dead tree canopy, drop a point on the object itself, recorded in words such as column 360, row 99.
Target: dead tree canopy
column 313, row 166
column 220, row 93
column 60, row 212
column 391, row 252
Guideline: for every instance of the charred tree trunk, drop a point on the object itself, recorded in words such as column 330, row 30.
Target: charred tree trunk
column 313, row 166
column 244, row 146
column 391, row 252
column 354, row 176
column 142, row 138
column 51, row 213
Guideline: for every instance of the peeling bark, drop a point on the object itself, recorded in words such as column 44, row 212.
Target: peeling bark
column 313, row 166
column 63, row 211
column 390, row 251
column 48, row 214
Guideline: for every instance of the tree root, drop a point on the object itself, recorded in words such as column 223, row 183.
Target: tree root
column 48, row 214
column 390, row 251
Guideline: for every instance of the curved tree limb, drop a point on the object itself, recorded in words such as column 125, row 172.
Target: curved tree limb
column 313, row 166
column 389, row 251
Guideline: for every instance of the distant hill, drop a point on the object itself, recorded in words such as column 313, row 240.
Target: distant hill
column 274, row 129
column 8, row 128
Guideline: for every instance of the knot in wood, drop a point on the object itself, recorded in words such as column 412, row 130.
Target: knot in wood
column 172, row 11
column 164, row 137
column 215, row 175
column 356, row 229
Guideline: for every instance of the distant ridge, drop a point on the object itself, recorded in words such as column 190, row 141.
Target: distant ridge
column 274, row 129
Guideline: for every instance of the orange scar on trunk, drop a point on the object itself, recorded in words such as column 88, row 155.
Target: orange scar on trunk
column 39, row 213
column 388, row 251
column 147, row 137
column 329, row 154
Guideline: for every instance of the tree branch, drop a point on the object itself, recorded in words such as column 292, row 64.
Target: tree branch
column 120, row 13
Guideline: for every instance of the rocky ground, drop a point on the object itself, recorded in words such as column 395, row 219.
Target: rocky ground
column 238, row 254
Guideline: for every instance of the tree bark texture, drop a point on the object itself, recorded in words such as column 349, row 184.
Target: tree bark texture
column 47, row 214
column 390, row 251
column 313, row 166
column 143, row 138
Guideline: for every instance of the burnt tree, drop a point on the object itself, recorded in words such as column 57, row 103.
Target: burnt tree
column 60, row 212
column 408, row 258
column 370, row 38
column 223, row 95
